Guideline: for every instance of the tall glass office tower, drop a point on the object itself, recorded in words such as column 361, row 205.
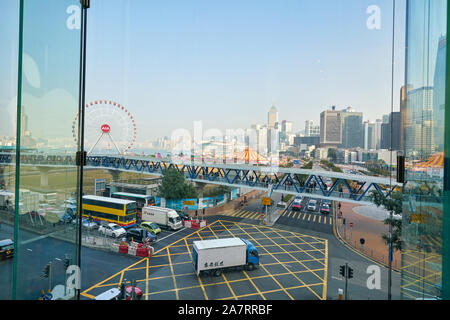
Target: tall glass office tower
column 425, row 218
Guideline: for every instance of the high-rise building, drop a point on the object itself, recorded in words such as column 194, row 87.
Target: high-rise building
column 369, row 135
column 286, row 127
column 311, row 130
column 439, row 96
column 352, row 129
column 331, row 128
column 286, row 132
column 418, row 124
column 425, row 232
column 393, row 125
column 272, row 117
column 259, row 141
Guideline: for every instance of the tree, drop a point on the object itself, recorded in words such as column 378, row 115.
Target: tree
column 175, row 187
column 332, row 154
column 392, row 204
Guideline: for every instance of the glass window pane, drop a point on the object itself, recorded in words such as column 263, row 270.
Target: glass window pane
column 48, row 98
column 424, row 132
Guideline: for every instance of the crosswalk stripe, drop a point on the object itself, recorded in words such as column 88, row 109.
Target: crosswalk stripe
column 290, row 214
column 232, row 214
column 320, row 219
column 237, row 213
column 255, row 216
column 304, row 216
column 309, row 217
column 299, row 215
column 284, row 214
column 331, row 220
column 244, row 212
column 250, row 213
column 314, row 220
column 293, row 216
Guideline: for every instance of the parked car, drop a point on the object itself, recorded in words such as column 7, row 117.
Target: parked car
column 150, row 226
column 325, row 208
column 86, row 224
column 183, row 216
column 140, row 235
column 113, row 230
column 6, row 249
column 66, row 218
column 312, row 205
column 297, row 204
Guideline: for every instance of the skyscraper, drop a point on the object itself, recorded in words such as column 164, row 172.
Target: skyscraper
column 418, row 124
column 394, row 125
column 331, row 128
column 286, row 127
column 369, row 135
column 439, row 96
column 311, row 130
column 272, row 117
column 352, row 129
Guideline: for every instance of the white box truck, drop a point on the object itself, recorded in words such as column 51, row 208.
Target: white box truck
column 217, row 255
column 6, row 200
column 164, row 217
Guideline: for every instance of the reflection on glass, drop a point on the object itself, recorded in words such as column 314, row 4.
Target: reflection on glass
column 47, row 105
column 423, row 126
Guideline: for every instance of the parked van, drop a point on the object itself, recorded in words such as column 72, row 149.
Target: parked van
column 6, row 249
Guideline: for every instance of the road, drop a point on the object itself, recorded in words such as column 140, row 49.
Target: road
column 308, row 219
column 308, row 228
column 311, row 222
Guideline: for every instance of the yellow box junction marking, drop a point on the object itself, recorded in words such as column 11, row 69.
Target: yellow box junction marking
column 235, row 229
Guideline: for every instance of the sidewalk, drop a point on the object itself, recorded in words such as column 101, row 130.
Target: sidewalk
column 274, row 213
column 369, row 229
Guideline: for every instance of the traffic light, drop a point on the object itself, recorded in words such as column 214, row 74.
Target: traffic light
column 342, row 271
column 122, row 291
column 46, row 271
column 350, row 273
column 66, row 262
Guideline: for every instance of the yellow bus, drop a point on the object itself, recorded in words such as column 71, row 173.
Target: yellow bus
column 118, row 211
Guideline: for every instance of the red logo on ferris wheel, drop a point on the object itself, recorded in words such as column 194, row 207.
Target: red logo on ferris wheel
column 106, row 128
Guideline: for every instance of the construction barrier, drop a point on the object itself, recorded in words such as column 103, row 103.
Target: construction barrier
column 123, row 249
column 142, row 252
column 134, row 249
column 195, row 224
column 115, row 247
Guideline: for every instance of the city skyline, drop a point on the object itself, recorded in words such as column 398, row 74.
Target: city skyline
column 191, row 67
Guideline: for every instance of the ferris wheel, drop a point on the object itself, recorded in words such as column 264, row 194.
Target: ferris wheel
column 108, row 126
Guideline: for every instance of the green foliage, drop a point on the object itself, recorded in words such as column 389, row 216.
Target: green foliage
column 303, row 177
column 332, row 154
column 392, row 204
column 309, row 165
column 175, row 187
column 331, row 166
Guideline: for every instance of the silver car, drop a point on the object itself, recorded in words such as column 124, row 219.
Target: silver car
column 312, row 205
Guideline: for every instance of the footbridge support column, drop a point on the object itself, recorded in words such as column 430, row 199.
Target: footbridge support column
column 44, row 175
column 115, row 175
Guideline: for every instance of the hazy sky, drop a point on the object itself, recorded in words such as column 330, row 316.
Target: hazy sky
column 225, row 62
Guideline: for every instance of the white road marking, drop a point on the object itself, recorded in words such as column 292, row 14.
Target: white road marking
column 35, row 239
column 170, row 235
